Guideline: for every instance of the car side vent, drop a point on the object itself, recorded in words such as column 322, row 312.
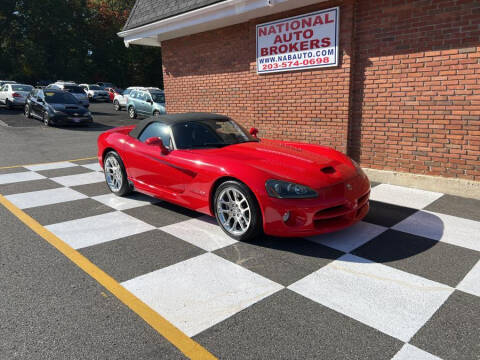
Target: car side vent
column 328, row 170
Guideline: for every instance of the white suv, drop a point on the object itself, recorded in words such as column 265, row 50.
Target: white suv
column 95, row 92
column 73, row 89
column 14, row 94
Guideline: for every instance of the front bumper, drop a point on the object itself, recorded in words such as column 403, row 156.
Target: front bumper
column 68, row 119
column 336, row 208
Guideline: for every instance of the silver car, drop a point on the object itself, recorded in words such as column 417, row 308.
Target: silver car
column 14, row 95
column 95, row 92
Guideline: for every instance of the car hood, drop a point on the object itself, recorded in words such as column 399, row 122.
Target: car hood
column 69, row 108
column 284, row 161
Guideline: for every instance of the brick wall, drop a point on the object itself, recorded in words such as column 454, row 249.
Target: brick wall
column 405, row 97
column 416, row 105
column 216, row 71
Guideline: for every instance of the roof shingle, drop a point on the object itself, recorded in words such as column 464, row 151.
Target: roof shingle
column 148, row 11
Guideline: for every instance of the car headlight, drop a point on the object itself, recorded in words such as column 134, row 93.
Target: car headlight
column 288, row 190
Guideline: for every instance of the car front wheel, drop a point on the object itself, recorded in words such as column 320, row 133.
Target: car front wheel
column 132, row 113
column 46, row 120
column 115, row 174
column 116, row 105
column 27, row 113
column 237, row 211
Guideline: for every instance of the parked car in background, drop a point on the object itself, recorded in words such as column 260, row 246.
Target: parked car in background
column 56, row 107
column 3, row 82
column 12, row 95
column 95, row 92
column 120, row 100
column 112, row 92
column 146, row 102
column 105, row 85
column 73, row 89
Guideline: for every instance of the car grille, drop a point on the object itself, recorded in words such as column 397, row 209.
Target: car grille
column 341, row 214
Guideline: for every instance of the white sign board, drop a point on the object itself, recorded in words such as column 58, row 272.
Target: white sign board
column 300, row 42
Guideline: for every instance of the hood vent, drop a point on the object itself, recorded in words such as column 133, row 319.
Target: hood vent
column 328, row 170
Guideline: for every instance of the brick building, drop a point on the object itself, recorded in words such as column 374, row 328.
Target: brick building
column 404, row 97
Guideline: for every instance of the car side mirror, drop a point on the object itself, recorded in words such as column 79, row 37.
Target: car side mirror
column 156, row 141
column 150, row 101
column 254, row 131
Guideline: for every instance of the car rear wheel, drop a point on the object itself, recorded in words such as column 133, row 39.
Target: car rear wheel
column 116, row 105
column 26, row 112
column 156, row 113
column 132, row 114
column 115, row 174
column 237, row 211
column 8, row 104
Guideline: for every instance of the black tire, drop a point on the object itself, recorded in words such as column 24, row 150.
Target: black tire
column 156, row 113
column 116, row 105
column 132, row 114
column 46, row 119
column 126, row 187
column 255, row 227
column 8, row 104
column 27, row 112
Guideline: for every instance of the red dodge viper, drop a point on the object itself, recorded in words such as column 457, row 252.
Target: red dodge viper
column 209, row 163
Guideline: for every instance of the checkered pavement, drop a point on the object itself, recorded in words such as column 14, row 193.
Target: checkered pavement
column 403, row 284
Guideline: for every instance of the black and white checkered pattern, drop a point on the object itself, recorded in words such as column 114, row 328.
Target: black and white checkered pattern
column 403, row 284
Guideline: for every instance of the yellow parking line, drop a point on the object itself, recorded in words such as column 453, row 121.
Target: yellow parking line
column 186, row 345
column 52, row 162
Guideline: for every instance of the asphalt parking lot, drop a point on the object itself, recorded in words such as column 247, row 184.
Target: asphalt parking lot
column 87, row 275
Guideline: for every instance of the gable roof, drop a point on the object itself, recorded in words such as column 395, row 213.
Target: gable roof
column 147, row 11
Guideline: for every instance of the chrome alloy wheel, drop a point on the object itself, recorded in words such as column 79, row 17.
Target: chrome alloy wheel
column 233, row 211
column 113, row 174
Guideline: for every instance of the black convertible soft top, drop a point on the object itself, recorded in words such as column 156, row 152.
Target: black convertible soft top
column 171, row 119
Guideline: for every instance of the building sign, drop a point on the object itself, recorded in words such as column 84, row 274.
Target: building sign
column 300, row 42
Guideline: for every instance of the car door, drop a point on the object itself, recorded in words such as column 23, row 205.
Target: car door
column 30, row 98
column 37, row 103
column 2, row 93
column 152, row 171
column 148, row 104
column 140, row 103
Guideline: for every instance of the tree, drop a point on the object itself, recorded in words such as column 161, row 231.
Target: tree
column 72, row 40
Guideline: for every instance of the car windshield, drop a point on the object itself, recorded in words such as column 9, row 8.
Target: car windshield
column 95, row 87
column 53, row 97
column 73, row 89
column 209, row 133
column 158, row 97
column 22, row 87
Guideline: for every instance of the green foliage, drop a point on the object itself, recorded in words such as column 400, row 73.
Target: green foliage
column 72, row 40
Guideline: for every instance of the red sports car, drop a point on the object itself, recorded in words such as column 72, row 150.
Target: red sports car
column 209, row 163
